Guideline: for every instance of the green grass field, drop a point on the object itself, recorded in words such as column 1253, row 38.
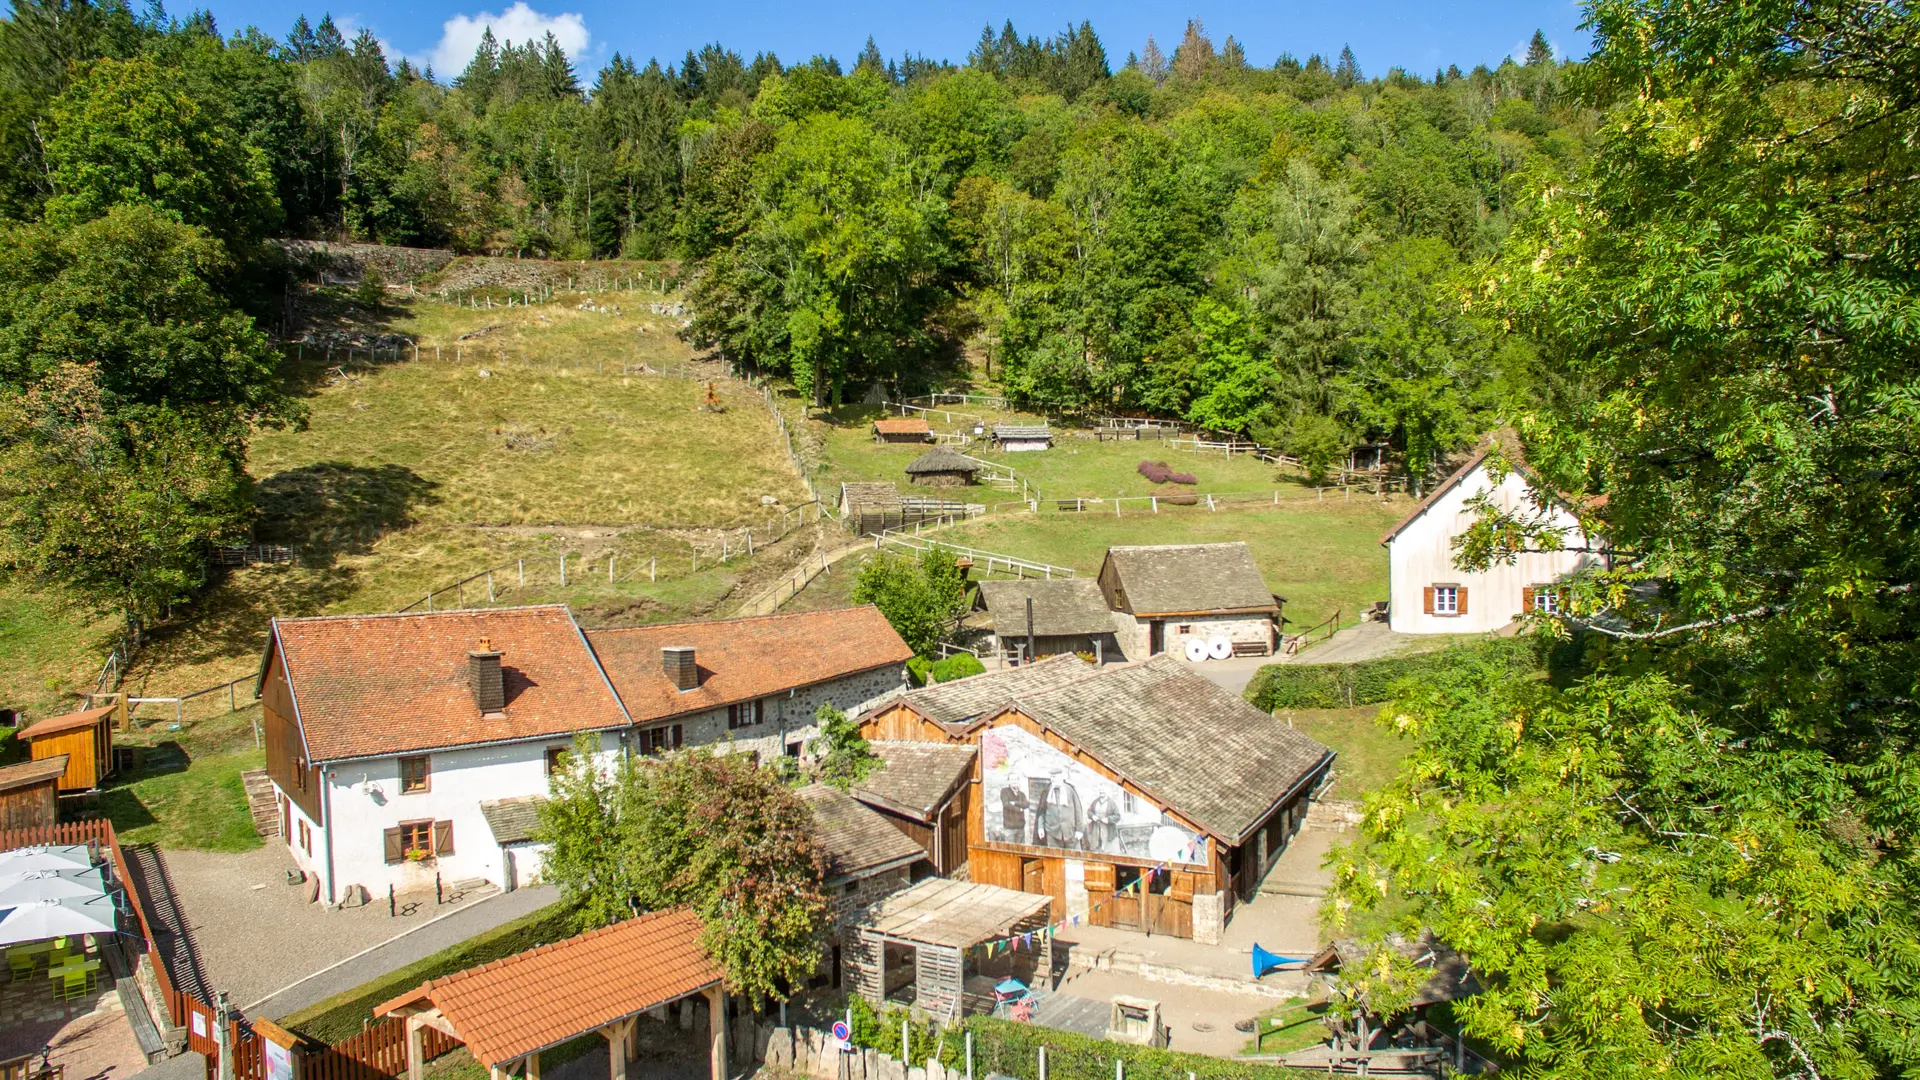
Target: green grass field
column 1074, row 468
column 1370, row 755
column 1321, row 556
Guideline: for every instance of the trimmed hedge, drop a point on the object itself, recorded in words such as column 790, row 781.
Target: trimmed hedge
column 1370, row 682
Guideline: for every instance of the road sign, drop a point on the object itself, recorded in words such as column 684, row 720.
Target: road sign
column 842, row 1035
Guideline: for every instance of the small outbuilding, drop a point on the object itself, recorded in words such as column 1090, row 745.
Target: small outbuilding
column 941, row 945
column 866, row 857
column 941, row 467
column 1015, row 438
column 1179, row 595
column 906, row 429
column 1040, row 617
column 30, row 793
column 922, row 789
column 85, row 739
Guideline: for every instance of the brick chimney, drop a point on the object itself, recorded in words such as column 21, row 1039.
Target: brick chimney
column 676, row 661
column 489, row 684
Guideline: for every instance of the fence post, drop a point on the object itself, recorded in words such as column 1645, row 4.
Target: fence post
column 489, row 586
column 653, row 565
column 1210, row 505
column 1043, row 1063
column 563, row 568
column 1156, row 503
column 610, row 560
column 256, row 733
column 523, row 571
column 231, row 707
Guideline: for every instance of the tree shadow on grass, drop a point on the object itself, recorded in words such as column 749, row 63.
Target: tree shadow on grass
column 330, row 508
column 231, row 619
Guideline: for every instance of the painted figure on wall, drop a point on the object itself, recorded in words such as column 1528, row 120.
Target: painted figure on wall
column 1046, row 799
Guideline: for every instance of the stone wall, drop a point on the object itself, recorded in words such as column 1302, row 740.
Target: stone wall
column 854, row 896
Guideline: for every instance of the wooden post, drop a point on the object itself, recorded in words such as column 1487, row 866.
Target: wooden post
column 717, row 1029
column 523, row 571
column 533, row 1066
column 489, row 586
column 416, row 1049
column 563, row 568
column 969, row 1055
column 653, row 566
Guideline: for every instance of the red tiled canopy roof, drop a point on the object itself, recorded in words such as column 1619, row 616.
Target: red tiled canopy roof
column 371, row 685
column 541, row 998
column 742, row 659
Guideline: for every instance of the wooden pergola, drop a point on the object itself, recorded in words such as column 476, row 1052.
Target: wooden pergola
column 508, row 1011
column 941, row 921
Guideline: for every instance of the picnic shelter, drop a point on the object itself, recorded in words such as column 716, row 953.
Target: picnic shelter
column 944, row 946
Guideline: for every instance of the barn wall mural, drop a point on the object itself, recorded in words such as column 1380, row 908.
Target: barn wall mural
column 1038, row 796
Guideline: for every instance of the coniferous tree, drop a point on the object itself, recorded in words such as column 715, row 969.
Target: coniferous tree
column 1153, row 62
column 327, row 42
column 560, row 78
column 1233, row 57
column 1194, row 55
column 870, row 59
column 1538, row 51
column 301, row 46
column 1347, row 72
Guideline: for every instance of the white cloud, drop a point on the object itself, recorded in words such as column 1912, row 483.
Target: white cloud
column 460, row 35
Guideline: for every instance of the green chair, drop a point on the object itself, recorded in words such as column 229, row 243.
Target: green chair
column 72, row 981
column 20, row 964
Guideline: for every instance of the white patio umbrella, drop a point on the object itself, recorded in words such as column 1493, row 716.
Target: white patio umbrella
column 65, row 857
column 50, row 885
column 58, row 918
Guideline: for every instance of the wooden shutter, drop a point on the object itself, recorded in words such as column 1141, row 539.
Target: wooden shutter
column 1099, row 877
column 1461, row 594
column 677, row 733
column 1426, row 599
column 443, row 838
column 1526, row 600
column 395, row 852
column 1181, row 886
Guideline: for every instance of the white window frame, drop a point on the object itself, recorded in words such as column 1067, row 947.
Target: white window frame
column 1446, row 600
column 1546, row 599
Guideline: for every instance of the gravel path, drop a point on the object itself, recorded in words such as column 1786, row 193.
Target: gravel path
column 255, row 934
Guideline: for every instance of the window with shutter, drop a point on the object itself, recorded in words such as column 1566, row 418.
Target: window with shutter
column 1447, row 600
column 395, row 850
column 443, row 838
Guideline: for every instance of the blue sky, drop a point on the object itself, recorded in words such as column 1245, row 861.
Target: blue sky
column 1417, row 34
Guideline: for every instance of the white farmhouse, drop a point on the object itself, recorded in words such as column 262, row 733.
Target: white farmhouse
column 402, row 747
column 1430, row 595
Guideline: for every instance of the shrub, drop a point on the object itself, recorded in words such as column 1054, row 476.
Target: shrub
column 1370, row 682
column 957, row 666
column 1155, row 471
column 1182, row 478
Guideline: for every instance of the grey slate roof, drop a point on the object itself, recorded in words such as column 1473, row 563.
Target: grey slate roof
column 870, row 496
column 1022, row 431
column 512, row 820
column 857, row 840
column 916, row 778
column 955, row 703
column 1068, row 606
column 939, row 460
column 1194, row 746
column 1188, row 579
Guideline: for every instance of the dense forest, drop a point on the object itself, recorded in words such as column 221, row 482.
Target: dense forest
column 1684, row 268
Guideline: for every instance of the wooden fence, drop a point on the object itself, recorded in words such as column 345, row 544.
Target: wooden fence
column 986, row 562
column 378, row 1053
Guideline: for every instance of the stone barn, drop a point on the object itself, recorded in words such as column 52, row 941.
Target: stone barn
column 941, row 467
column 1174, row 594
column 1014, row 438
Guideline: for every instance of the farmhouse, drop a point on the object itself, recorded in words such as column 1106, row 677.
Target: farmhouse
column 941, row 467
column 404, row 745
column 1015, row 438
column 907, row 429
column 1069, row 615
column 1428, row 594
column 1177, row 594
column 1137, row 796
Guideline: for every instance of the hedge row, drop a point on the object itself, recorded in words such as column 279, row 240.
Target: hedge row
column 1370, row 682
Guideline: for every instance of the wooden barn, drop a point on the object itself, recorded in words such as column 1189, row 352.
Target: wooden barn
column 84, row 738
column 1036, row 617
column 30, row 793
column 905, row 429
column 1015, row 438
column 922, row 789
column 941, row 467
column 1141, row 797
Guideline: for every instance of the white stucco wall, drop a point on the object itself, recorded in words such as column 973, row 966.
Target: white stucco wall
column 365, row 800
column 1422, row 556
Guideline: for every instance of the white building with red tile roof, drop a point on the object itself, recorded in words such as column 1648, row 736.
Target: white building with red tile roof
column 385, row 734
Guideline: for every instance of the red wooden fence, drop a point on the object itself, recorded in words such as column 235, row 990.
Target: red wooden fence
column 378, row 1053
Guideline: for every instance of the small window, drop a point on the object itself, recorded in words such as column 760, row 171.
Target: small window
column 1183, row 628
column 850, row 888
column 416, row 839
column 1446, row 599
column 793, row 749
column 1129, row 802
column 413, row 775
column 746, row 713
column 554, row 758
column 1546, row 600
column 660, row 740
column 306, row 839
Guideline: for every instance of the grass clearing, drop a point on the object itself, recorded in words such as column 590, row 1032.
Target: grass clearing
column 48, row 652
column 1294, row 1024
column 1321, row 556
column 341, row 1016
column 174, row 800
column 1370, row 755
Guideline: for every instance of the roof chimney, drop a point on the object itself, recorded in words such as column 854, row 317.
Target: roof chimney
column 489, row 684
column 676, row 661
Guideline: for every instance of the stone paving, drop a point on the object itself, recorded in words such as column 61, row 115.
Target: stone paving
column 89, row 1036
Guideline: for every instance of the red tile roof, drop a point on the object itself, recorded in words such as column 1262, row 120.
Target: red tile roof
column 742, row 659
column 541, row 998
column 372, row 685
column 54, row 725
column 912, row 425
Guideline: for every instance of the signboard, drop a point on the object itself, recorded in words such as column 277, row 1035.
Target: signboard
column 279, row 1060
column 1037, row 796
column 842, row 1036
column 199, row 1023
